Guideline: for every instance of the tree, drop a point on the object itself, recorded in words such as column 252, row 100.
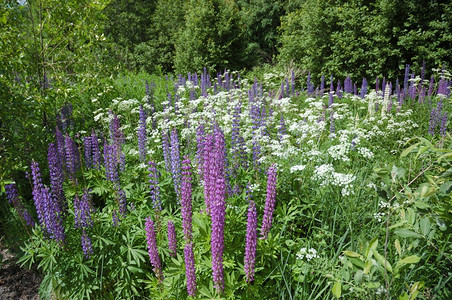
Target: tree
column 213, row 37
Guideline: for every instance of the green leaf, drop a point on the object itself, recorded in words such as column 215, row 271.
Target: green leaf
column 413, row 259
column 380, row 258
column 397, row 246
column 406, row 233
column 337, row 289
column 408, row 150
column 425, row 226
column 351, row 254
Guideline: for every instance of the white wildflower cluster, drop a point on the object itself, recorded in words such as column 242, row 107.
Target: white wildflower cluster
column 297, row 168
column 307, row 253
column 326, row 175
column 365, row 152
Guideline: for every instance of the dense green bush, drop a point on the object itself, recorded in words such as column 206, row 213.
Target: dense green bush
column 367, row 38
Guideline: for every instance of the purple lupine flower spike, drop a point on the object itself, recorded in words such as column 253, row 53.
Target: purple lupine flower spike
column 175, row 161
column 186, row 206
column 251, row 242
column 87, row 144
column 154, row 186
column 13, row 198
column 269, row 202
column 96, row 151
column 49, row 212
column 190, row 269
column 172, row 242
column 56, row 175
column 152, row 249
column 218, row 211
column 142, row 136
column 86, row 245
column 443, row 127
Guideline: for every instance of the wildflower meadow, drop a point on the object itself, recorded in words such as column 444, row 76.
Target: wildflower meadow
column 266, row 186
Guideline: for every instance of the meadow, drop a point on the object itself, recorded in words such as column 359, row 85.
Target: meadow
column 225, row 187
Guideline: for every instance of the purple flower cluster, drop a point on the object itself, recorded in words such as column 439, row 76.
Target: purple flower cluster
column 438, row 119
column 49, row 212
column 363, row 88
column 13, row 198
column 83, row 210
column 154, row 186
column 190, row 269
column 217, row 183
column 172, row 242
column 186, row 199
column 111, row 170
column 152, row 248
column 251, row 242
column 175, row 162
column 142, row 136
column 348, row 85
column 269, row 202
column 186, row 212
column 166, row 150
column 86, row 245
column 56, row 175
column 72, row 157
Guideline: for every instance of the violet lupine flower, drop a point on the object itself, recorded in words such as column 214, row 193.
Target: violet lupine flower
column 364, row 88
column 122, row 162
column 71, row 157
column 186, row 206
column 377, row 84
column 56, row 175
column 412, row 88
column 432, row 122
column 190, row 269
column 166, row 150
column 405, row 80
column 348, row 85
column 82, row 210
column 87, row 144
column 251, row 242
column 442, row 129
column 95, row 151
column 208, row 170
column 269, row 202
column 13, row 198
column 175, row 162
column 49, row 213
column 154, row 186
column 116, row 134
column 172, row 243
column 122, row 202
column 218, row 210
column 111, row 171
column 152, row 249
column 332, row 123
column 142, row 134
column 115, row 218
column 86, row 245
column 339, row 89
column 322, row 84
column 330, row 100
column 310, row 85
column 442, row 87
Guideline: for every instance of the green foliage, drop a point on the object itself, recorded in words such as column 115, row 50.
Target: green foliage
column 213, row 37
column 366, row 39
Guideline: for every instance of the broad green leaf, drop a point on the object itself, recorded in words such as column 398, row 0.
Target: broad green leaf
column 425, row 226
column 380, row 258
column 413, row 259
column 406, row 233
column 367, row 266
column 337, row 289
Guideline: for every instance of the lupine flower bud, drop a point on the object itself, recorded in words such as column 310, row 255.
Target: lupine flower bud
column 190, row 269
column 142, row 136
column 251, row 242
column 269, row 202
column 86, row 245
column 152, row 249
